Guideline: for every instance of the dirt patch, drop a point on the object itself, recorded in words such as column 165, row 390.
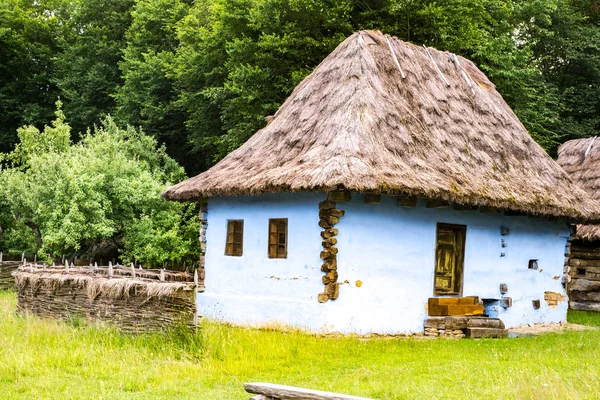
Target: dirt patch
column 540, row 329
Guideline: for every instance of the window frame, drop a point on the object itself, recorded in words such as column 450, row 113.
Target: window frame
column 276, row 235
column 230, row 240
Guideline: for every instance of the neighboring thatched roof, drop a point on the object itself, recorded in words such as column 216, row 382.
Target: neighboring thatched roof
column 581, row 159
column 355, row 123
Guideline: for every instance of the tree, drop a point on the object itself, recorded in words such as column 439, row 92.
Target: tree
column 87, row 73
column 147, row 96
column 28, row 42
column 567, row 51
column 76, row 198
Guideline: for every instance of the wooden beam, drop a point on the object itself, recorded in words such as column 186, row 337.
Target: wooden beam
column 406, row 201
column 294, row 393
column 437, row 203
column 372, row 198
column 339, row 196
column 464, row 207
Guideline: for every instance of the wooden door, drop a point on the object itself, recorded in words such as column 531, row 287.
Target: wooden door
column 449, row 259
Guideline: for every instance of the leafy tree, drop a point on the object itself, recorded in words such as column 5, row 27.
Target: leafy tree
column 28, row 41
column 147, row 97
column 76, row 198
column 87, row 68
column 567, row 51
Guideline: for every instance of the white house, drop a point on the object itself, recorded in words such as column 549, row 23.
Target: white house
column 392, row 174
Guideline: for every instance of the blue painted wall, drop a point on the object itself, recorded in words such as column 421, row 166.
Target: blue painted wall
column 389, row 249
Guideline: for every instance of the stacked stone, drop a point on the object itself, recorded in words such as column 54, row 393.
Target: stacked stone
column 329, row 215
column 203, row 226
column 446, row 327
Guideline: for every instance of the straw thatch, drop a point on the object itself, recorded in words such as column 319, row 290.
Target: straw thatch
column 581, row 159
column 355, row 123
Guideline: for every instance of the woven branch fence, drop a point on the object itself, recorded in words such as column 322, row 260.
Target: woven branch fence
column 133, row 300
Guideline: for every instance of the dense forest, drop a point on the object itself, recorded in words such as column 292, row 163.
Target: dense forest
column 189, row 81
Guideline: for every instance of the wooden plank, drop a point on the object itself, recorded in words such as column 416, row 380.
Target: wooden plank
column 437, row 310
column 455, row 310
column 465, row 310
column 469, row 300
column 295, row 393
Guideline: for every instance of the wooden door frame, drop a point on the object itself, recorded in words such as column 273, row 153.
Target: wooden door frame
column 463, row 228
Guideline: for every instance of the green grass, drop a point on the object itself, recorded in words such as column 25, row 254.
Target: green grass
column 48, row 359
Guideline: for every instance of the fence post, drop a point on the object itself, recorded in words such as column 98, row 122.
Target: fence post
column 66, row 265
column 162, row 275
column 35, row 259
column 132, row 271
column 110, row 270
column 0, row 256
column 22, row 256
column 24, row 261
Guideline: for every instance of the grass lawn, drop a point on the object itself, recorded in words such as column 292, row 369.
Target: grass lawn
column 48, row 359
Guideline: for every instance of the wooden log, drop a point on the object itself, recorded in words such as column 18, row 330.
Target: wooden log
column 295, row 393
column 326, row 205
column 576, row 295
column 328, row 233
column 584, row 285
column 576, row 262
column 329, row 264
column 583, row 306
column 585, row 249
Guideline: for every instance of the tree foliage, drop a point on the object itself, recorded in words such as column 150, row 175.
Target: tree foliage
column 106, row 188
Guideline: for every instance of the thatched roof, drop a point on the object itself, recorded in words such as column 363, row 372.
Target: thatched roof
column 581, row 159
column 355, row 123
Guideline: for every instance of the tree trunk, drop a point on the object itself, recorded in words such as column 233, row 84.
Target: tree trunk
column 36, row 232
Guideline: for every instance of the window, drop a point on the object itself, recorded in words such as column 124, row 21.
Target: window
column 278, row 238
column 449, row 259
column 235, row 237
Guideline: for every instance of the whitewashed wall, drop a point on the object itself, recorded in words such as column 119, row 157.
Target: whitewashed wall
column 389, row 249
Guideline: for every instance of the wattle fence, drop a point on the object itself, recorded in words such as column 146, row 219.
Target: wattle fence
column 133, row 300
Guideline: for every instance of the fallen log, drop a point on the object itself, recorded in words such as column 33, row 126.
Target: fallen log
column 275, row 391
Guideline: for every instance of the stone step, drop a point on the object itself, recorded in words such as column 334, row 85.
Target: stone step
column 475, row 333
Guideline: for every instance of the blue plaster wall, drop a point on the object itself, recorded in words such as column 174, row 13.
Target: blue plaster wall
column 389, row 249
